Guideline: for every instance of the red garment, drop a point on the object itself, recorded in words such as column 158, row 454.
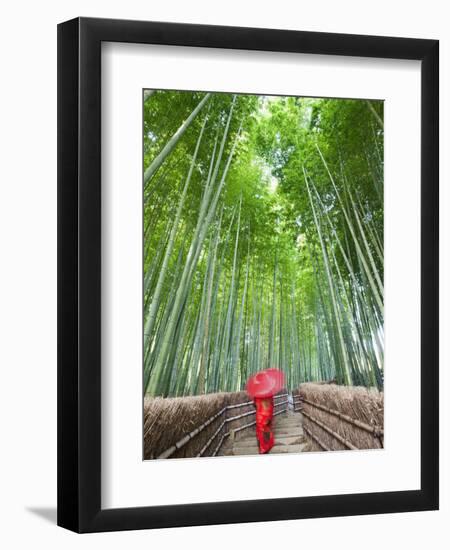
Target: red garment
column 264, row 415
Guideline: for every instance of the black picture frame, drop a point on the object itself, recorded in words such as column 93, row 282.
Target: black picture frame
column 79, row 274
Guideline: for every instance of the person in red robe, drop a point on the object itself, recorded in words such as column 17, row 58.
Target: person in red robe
column 261, row 387
column 264, row 416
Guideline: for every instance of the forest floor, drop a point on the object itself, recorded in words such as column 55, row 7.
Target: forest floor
column 288, row 432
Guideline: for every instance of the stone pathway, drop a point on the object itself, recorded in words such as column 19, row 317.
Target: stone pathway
column 288, row 434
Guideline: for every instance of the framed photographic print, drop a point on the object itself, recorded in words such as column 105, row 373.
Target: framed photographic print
column 247, row 276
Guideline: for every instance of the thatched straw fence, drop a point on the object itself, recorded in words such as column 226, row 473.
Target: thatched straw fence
column 340, row 417
column 182, row 427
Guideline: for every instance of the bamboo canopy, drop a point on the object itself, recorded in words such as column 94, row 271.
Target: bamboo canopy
column 263, row 241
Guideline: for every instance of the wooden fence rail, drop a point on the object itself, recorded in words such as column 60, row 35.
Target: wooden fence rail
column 334, row 434
column 316, row 439
column 278, row 402
column 376, row 431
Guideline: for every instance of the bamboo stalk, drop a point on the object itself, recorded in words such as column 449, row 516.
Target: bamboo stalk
column 207, row 210
column 345, row 373
column 360, row 254
column 170, row 145
column 375, row 114
column 155, row 302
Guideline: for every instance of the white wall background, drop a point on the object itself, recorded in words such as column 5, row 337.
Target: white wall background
column 28, row 270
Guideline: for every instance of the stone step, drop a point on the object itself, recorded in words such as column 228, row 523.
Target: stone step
column 287, row 440
column 288, row 427
column 298, row 432
column 285, row 434
column 279, row 441
column 290, row 440
column 288, row 432
column 298, row 448
column 286, row 424
column 276, row 449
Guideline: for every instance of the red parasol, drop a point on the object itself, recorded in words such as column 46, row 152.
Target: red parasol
column 265, row 383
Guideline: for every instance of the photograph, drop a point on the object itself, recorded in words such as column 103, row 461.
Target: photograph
column 263, row 274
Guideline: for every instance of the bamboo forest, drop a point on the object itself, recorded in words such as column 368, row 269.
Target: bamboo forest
column 263, row 240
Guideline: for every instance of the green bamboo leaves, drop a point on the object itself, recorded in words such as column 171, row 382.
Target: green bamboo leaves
column 170, row 145
column 263, row 241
